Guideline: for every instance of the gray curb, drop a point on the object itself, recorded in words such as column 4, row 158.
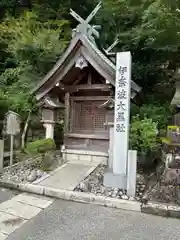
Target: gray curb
column 74, row 196
column 163, row 210
column 151, row 208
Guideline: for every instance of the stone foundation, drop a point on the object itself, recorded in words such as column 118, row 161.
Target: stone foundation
column 81, row 155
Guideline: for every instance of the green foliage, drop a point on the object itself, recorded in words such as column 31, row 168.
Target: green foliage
column 159, row 113
column 40, row 146
column 150, row 29
column 34, row 47
column 143, row 135
column 33, row 35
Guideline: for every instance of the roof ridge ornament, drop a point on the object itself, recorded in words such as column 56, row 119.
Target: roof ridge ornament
column 110, row 48
column 84, row 27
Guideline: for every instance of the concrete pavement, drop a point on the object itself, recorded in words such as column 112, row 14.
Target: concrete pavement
column 18, row 210
column 64, row 220
column 68, row 176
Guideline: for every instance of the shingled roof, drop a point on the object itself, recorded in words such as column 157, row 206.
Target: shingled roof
column 80, row 45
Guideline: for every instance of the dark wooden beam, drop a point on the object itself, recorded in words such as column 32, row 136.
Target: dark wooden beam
column 88, row 136
column 90, row 98
column 75, row 88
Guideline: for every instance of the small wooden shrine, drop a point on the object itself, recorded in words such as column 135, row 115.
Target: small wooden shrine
column 83, row 83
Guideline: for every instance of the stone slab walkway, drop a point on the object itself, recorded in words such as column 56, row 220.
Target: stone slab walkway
column 69, row 175
column 18, row 210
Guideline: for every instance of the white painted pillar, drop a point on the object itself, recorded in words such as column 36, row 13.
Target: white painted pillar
column 49, row 127
column 131, row 173
column 1, row 155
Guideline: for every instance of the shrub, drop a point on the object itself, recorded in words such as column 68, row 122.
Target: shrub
column 40, row 146
column 143, row 135
column 161, row 114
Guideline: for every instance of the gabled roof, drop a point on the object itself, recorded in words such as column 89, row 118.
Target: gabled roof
column 80, row 45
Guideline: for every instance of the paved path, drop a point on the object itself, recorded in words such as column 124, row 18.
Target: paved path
column 69, row 175
column 65, row 220
column 18, row 210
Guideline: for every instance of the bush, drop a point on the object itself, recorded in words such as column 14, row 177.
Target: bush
column 143, row 136
column 161, row 114
column 40, row 146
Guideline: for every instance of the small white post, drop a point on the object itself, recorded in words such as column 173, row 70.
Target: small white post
column 11, row 151
column 131, row 173
column 1, row 155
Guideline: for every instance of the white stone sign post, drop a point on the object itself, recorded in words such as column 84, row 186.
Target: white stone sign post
column 121, row 159
column 12, row 128
column 122, row 112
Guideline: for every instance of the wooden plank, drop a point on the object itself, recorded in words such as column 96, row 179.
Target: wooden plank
column 67, row 108
column 87, row 136
column 90, row 98
column 75, row 88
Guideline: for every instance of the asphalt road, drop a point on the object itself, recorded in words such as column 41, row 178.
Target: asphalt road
column 65, row 220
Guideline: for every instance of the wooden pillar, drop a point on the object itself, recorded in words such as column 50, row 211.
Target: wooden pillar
column 67, row 109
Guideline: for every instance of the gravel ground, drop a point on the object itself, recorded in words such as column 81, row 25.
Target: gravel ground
column 94, row 184
column 31, row 169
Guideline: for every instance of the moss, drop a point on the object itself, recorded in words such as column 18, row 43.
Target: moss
column 40, row 146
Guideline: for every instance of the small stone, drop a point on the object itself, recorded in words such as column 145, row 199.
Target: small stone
column 125, row 197
column 140, row 194
column 103, row 189
column 39, row 173
column 132, row 198
column 114, row 195
column 32, row 177
column 109, row 194
column 83, row 187
column 120, row 193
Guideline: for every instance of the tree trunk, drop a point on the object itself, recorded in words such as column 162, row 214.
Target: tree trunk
column 25, row 130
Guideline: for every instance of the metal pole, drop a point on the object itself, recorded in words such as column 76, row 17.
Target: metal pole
column 11, row 152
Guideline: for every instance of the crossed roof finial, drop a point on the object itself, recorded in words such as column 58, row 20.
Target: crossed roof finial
column 108, row 51
column 84, row 27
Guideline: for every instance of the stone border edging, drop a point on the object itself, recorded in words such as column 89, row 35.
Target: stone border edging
column 162, row 210
column 74, row 196
column 158, row 209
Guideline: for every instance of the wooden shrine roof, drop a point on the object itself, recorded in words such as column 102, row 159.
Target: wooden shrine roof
column 80, row 45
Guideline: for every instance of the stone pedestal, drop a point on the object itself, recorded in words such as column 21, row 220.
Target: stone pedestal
column 115, row 181
column 124, row 181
